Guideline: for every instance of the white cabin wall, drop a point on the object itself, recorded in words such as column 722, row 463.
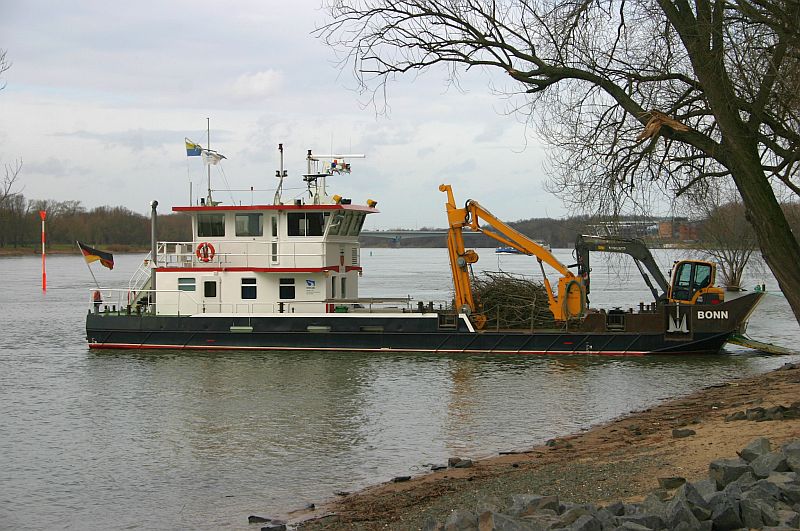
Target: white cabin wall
column 310, row 293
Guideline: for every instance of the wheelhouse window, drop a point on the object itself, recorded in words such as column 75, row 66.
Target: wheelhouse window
column 336, row 224
column 209, row 225
column 358, row 222
column 347, row 223
column 186, row 284
column 305, row 223
column 249, row 288
column 286, row 288
column 249, row 224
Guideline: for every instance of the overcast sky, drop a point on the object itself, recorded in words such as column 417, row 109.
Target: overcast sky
column 101, row 94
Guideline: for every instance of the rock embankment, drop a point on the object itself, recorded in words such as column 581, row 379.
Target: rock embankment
column 643, row 455
column 758, row 489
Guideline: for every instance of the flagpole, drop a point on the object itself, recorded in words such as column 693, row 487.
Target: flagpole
column 189, row 176
column 96, row 283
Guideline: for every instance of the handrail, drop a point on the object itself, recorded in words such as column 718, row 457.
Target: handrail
column 141, row 275
column 240, row 252
column 119, row 299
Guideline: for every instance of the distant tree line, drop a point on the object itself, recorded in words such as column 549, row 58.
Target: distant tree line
column 112, row 228
column 560, row 233
column 557, row 233
column 722, row 226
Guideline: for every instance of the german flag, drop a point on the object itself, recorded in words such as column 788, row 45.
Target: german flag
column 93, row 255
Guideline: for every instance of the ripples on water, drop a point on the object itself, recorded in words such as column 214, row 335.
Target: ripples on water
column 167, row 440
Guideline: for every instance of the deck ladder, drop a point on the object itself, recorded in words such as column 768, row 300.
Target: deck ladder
column 140, row 279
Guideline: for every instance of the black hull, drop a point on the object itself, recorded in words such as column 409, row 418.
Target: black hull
column 644, row 334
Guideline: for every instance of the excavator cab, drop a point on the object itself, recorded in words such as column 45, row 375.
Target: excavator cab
column 693, row 283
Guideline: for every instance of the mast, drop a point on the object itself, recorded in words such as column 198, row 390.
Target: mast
column 280, row 174
column 208, row 146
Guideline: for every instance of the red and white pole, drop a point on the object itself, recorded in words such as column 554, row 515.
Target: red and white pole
column 43, row 215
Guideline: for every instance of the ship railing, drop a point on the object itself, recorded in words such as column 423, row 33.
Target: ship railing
column 140, row 302
column 180, row 302
column 384, row 305
column 369, row 305
column 239, row 253
column 141, row 276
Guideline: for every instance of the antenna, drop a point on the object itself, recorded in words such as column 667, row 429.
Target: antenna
column 208, row 166
column 280, row 174
column 337, row 166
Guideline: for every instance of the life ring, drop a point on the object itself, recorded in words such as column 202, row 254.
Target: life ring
column 205, row 252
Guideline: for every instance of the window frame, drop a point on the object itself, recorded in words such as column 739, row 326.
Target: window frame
column 212, row 223
column 299, row 224
column 286, row 286
column 249, row 216
column 249, row 288
column 206, row 284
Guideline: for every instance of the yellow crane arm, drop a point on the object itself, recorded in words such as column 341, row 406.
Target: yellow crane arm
column 459, row 258
column 571, row 298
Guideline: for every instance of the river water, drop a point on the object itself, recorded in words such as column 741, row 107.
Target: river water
column 184, row 440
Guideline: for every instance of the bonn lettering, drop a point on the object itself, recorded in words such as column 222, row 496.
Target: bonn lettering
column 712, row 314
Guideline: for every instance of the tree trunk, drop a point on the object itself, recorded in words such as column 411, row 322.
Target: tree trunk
column 778, row 245
column 740, row 154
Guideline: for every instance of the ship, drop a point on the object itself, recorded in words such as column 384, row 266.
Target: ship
column 505, row 249
column 284, row 276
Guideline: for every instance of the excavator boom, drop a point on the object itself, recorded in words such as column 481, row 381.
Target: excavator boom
column 692, row 281
column 632, row 247
column 571, row 299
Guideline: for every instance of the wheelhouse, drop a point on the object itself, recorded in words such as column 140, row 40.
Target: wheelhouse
column 262, row 259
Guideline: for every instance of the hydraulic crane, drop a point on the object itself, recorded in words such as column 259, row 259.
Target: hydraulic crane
column 570, row 302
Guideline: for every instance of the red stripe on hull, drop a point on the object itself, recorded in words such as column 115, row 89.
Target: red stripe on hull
column 136, row 346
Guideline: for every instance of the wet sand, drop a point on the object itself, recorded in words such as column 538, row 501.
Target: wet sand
column 620, row 460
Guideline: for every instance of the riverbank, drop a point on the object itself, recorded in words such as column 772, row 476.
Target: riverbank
column 66, row 249
column 622, row 460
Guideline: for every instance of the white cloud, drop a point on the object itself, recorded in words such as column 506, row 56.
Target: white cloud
column 112, row 91
column 257, row 86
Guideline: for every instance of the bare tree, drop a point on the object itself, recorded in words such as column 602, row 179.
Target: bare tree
column 725, row 234
column 7, row 186
column 631, row 93
column 11, row 170
column 4, row 65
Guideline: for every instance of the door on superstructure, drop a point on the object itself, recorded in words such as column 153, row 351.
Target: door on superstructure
column 273, row 240
column 210, row 295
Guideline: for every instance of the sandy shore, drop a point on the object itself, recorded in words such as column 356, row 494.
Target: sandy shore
column 620, row 460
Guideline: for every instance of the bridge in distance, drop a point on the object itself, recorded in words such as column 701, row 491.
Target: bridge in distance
column 397, row 235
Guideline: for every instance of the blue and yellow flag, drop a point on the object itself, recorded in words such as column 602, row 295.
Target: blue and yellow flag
column 192, row 149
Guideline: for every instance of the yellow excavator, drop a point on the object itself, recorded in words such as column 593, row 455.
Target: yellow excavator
column 692, row 280
column 568, row 303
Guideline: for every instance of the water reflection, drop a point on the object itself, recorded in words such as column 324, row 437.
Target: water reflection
column 178, row 439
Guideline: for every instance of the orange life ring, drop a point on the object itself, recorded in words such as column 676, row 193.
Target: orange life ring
column 205, row 252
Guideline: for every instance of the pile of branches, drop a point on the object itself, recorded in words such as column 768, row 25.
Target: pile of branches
column 512, row 301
